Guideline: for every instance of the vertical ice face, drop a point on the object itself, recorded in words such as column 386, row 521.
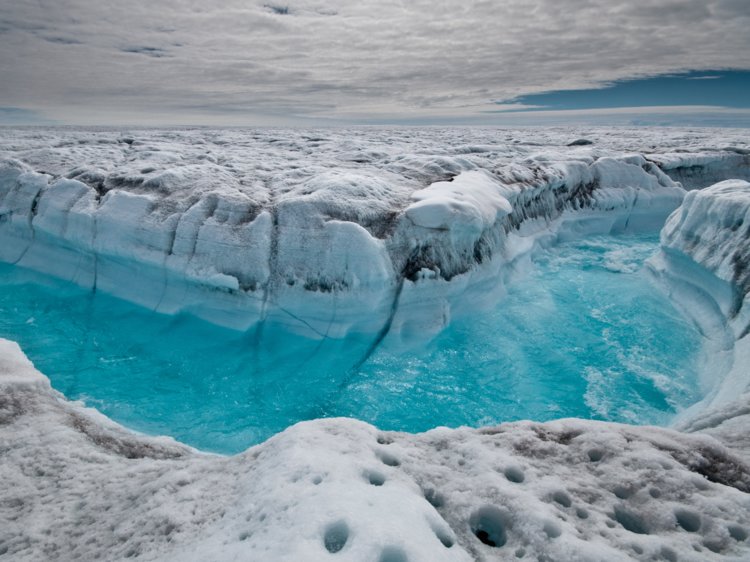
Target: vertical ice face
column 704, row 168
column 704, row 264
column 712, row 227
column 326, row 233
column 706, row 243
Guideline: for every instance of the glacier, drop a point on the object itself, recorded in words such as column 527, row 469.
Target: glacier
column 302, row 228
column 390, row 233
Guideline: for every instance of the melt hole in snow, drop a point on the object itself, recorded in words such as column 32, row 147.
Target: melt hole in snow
column 488, row 524
column 552, row 529
column 688, row 520
column 336, row 536
column 595, row 455
column 737, row 533
column 631, row 521
column 514, row 474
column 387, row 458
column 622, row 492
column 393, row 554
column 375, row 478
column 562, row 498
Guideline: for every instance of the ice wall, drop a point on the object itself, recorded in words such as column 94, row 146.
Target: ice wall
column 704, row 263
column 389, row 243
column 696, row 170
column 78, row 487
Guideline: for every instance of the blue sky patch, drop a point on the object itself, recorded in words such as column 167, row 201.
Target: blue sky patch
column 20, row 116
column 723, row 88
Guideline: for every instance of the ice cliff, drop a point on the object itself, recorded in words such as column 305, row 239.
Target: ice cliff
column 704, row 263
column 241, row 228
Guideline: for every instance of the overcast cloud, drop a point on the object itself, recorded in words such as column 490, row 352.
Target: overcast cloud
column 248, row 62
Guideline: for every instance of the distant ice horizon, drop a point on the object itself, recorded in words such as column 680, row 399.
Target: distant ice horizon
column 656, row 116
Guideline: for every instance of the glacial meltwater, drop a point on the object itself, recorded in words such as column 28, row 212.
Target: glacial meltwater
column 584, row 334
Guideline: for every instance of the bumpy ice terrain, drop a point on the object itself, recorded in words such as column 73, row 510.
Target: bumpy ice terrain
column 302, row 228
column 386, row 232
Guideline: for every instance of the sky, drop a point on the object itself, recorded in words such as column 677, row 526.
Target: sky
column 305, row 62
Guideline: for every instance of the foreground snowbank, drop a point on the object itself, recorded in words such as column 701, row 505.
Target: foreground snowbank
column 77, row 486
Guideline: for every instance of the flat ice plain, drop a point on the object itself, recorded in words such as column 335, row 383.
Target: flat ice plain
column 388, row 232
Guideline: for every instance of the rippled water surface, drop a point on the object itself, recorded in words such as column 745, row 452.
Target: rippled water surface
column 585, row 334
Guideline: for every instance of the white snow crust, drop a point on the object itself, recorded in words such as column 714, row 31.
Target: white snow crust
column 78, row 487
column 384, row 230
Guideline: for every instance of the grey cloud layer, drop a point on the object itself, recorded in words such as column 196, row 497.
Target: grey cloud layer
column 343, row 59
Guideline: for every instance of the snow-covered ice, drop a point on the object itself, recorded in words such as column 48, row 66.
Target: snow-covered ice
column 376, row 231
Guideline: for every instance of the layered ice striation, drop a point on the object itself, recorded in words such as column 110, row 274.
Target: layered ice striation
column 699, row 169
column 327, row 232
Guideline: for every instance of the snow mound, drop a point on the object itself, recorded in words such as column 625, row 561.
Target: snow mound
column 78, row 486
column 470, row 202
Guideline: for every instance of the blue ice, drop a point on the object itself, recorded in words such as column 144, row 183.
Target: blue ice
column 584, row 334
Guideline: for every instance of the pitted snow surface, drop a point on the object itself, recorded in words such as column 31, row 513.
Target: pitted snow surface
column 78, row 487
